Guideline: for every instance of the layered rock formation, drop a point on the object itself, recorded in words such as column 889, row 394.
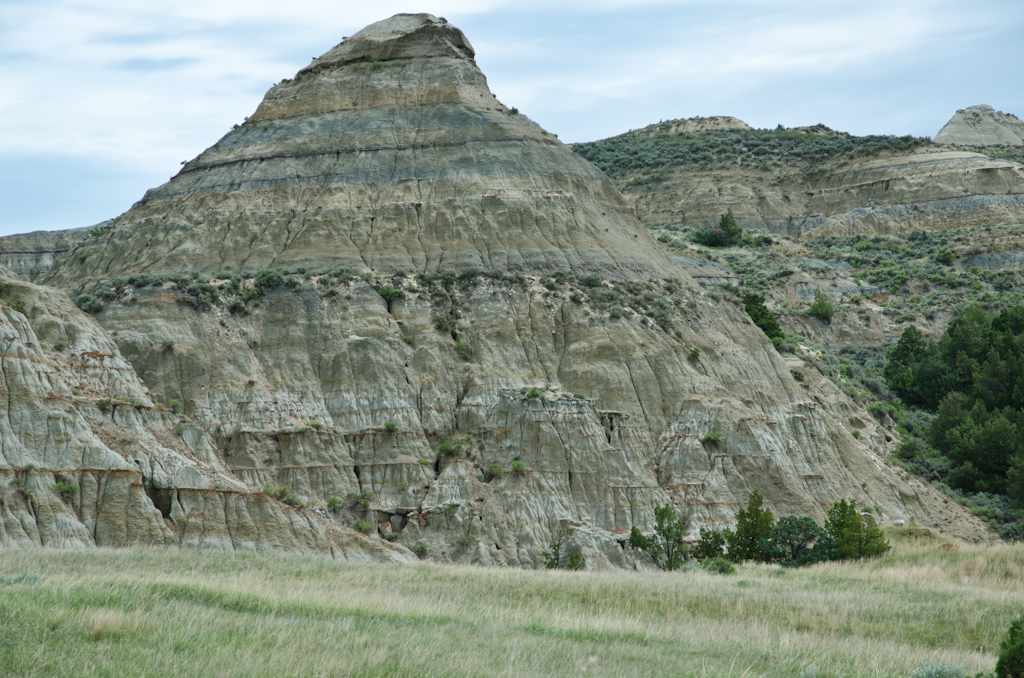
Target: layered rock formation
column 927, row 190
column 88, row 459
column 548, row 366
column 30, row 255
column 982, row 125
column 867, row 189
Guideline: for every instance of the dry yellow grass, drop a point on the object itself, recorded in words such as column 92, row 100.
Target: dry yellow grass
column 147, row 612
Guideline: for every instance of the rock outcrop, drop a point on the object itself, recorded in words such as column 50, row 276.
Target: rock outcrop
column 982, row 125
column 414, row 308
column 927, row 190
column 30, row 255
column 88, row 459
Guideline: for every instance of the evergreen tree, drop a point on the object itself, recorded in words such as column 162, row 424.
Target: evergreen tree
column 753, row 524
column 855, row 535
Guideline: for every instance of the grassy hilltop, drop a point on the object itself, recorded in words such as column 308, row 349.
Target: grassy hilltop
column 154, row 612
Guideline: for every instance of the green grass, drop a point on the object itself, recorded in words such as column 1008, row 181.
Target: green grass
column 150, row 612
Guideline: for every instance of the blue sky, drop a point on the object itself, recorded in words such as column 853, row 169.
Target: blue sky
column 102, row 99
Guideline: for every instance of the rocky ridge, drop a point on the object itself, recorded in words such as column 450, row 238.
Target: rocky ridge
column 419, row 312
column 880, row 185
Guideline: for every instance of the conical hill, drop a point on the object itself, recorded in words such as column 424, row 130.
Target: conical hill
column 387, row 152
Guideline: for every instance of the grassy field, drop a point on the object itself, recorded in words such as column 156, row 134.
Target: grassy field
column 148, row 612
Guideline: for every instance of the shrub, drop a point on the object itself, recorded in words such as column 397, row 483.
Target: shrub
column 421, row 549
column 591, row 280
column 454, row 447
column 666, row 546
column 492, row 471
column 1011, row 651
column 710, row 439
column 939, row 671
column 334, row 504
column 727, row 233
column 791, row 542
column 315, row 425
column 424, row 461
column 534, row 393
column 463, row 540
column 88, row 303
column 717, row 566
column 462, row 350
column 822, row 308
column 66, row 490
column 363, row 526
column 361, row 500
column 390, row 294
column 59, row 346
column 753, row 304
column 518, row 468
column 797, row 375
column 945, row 257
column 175, row 406
column 694, row 354
column 104, row 404
column 390, row 428
column 710, row 546
column 558, row 556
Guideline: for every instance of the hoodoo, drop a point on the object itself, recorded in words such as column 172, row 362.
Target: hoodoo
column 388, row 302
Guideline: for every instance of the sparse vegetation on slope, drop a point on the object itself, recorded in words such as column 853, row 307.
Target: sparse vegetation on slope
column 655, row 148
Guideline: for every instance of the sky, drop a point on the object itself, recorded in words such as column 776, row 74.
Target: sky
column 101, row 100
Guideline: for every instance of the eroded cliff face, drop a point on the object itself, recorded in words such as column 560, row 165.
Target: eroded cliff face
column 551, row 379
column 88, row 459
column 931, row 189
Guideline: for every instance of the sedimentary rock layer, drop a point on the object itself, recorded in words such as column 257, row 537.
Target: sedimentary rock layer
column 932, row 189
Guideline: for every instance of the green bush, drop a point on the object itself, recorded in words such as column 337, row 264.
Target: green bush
column 363, row 526
column 454, row 447
column 88, row 303
column 104, row 404
column 591, row 280
column 822, row 308
column 666, row 547
column 753, row 304
column 390, row 294
column 492, row 471
column 717, row 566
column 315, row 425
column 797, row 540
column 1011, row 651
column 421, row 550
column 518, row 468
column 463, row 540
column 727, row 233
column 390, row 428
column 334, row 504
column 464, row 352
column 710, row 439
column 66, row 490
column 694, row 354
column 710, row 546
column 534, row 393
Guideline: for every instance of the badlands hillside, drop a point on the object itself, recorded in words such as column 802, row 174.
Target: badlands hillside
column 387, row 314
